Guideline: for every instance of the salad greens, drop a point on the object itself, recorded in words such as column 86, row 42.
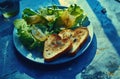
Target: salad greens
column 35, row 26
column 25, row 35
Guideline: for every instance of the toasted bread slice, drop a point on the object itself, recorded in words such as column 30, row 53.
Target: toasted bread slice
column 54, row 47
column 77, row 36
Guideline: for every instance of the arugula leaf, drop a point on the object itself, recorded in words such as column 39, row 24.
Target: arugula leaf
column 37, row 45
column 33, row 17
column 29, row 12
column 85, row 21
column 36, row 19
column 79, row 19
column 75, row 10
column 42, row 27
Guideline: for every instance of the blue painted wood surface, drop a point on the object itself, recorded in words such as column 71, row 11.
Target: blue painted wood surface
column 105, row 46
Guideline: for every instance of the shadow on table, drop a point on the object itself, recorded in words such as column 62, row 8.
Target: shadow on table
column 106, row 23
column 69, row 69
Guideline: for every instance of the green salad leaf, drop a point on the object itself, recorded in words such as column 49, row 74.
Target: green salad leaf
column 25, row 35
column 24, row 32
column 75, row 10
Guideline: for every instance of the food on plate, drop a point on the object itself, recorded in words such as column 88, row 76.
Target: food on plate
column 77, row 36
column 67, row 41
column 36, row 30
column 55, row 46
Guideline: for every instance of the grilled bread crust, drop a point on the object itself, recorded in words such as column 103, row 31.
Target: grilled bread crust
column 77, row 36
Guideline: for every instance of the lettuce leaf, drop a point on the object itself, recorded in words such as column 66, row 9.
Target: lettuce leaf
column 25, row 35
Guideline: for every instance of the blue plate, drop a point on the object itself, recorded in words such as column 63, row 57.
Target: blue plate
column 37, row 57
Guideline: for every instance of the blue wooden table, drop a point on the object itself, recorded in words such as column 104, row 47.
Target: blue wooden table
column 100, row 61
